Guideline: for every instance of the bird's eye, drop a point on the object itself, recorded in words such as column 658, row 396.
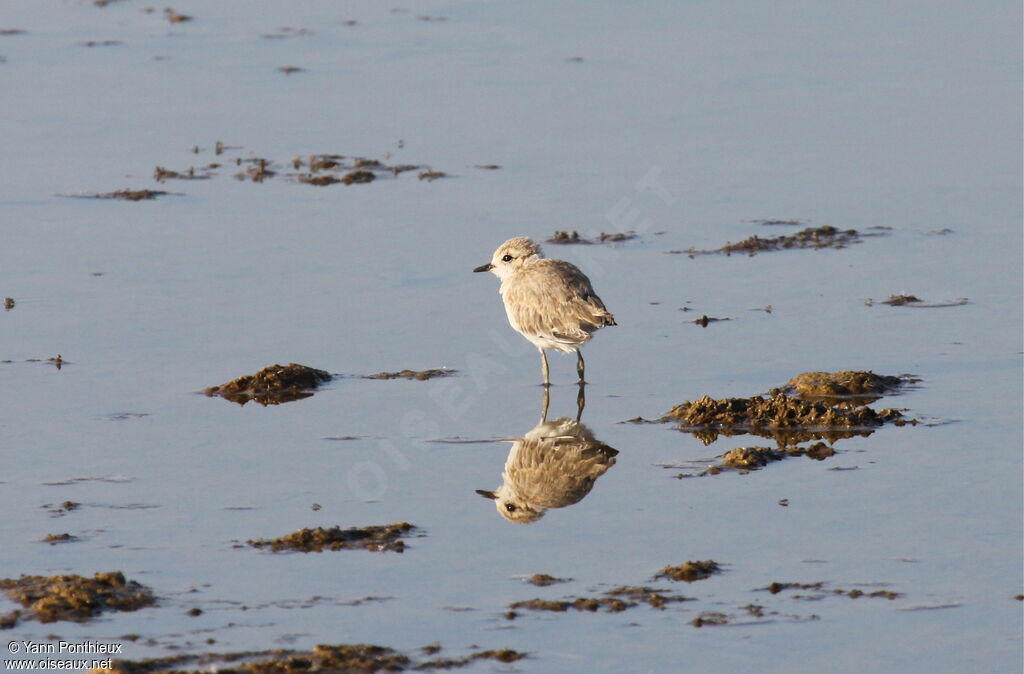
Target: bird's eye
column 509, row 507
column 507, row 258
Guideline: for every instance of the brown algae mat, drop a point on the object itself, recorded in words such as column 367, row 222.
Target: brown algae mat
column 323, row 658
column 378, row 538
column 811, row 237
column 75, row 598
column 272, row 385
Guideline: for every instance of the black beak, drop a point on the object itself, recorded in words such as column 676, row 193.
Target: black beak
column 486, row 494
column 485, row 267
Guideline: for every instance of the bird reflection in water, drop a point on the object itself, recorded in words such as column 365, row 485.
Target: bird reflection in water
column 552, row 466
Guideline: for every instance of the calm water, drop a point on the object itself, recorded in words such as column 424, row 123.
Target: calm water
column 684, row 121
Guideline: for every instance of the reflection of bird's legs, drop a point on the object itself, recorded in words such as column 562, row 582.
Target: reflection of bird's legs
column 579, row 365
column 581, row 402
column 544, row 405
column 544, row 368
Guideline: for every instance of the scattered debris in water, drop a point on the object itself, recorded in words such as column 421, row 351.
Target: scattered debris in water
column 431, row 176
column 9, row 303
column 122, row 195
column 378, row 538
column 543, row 580
column 54, row 539
column 74, row 597
column 566, row 238
column 412, row 374
column 710, row 618
column 900, row 300
column 690, row 571
column 100, row 43
column 705, row 320
column 160, row 174
column 272, row 385
column 287, row 32
column 61, row 509
column 812, row 237
column 322, row 658
column 773, row 223
column 290, row 70
column 820, row 591
column 917, row 303
column 487, row 167
column 175, row 17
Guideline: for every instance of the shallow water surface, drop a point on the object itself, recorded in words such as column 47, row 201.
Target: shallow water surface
column 684, row 122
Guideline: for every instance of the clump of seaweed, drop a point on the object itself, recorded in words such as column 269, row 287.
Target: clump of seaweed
column 272, row 385
column 412, row 374
column 690, row 571
column 378, row 538
column 76, row 598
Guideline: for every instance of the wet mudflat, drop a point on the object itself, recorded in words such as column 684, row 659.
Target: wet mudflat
column 331, row 217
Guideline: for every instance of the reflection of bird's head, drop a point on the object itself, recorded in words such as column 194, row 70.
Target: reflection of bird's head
column 553, row 466
column 511, row 508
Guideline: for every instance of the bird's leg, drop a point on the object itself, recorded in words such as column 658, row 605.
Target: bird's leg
column 581, row 402
column 544, row 368
column 579, row 365
column 544, row 405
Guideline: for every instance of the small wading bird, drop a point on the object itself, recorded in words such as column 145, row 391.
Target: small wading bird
column 549, row 302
